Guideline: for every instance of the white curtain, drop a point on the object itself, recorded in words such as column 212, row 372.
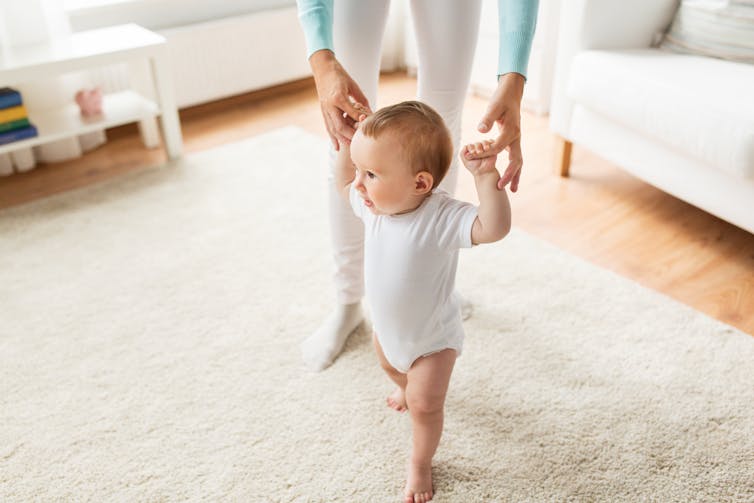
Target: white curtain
column 27, row 22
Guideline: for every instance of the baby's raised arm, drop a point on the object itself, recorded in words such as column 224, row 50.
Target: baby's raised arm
column 344, row 170
column 493, row 221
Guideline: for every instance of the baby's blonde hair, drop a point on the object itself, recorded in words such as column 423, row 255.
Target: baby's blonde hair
column 421, row 132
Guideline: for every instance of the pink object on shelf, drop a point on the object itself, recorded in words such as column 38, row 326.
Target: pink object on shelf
column 90, row 101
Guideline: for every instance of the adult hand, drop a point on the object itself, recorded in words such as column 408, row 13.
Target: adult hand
column 504, row 110
column 338, row 94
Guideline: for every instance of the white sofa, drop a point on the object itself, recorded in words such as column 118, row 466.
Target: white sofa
column 684, row 124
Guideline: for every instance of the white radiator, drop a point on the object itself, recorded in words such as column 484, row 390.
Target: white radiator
column 221, row 58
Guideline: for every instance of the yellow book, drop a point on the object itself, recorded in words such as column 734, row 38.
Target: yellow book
column 12, row 113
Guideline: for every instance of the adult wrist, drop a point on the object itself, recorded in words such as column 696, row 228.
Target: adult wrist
column 320, row 60
column 512, row 83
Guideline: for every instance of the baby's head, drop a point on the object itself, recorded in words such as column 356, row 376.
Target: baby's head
column 401, row 153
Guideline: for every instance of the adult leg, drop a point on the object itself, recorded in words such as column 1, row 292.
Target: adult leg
column 426, row 388
column 446, row 37
column 357, row 36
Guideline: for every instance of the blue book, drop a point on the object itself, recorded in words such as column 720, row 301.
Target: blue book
column 18, row 134
column 9, row 97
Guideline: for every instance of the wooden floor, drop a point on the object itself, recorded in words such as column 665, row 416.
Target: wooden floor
column 600, row 213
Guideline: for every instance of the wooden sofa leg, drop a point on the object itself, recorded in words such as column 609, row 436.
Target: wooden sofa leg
column 563, row 156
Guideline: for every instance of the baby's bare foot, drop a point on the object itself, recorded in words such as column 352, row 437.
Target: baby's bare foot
column 397, row 400
column 419, row 483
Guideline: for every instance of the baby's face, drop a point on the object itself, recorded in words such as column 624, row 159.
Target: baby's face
column 383, row 177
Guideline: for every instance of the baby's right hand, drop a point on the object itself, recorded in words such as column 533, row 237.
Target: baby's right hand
column 481, row 165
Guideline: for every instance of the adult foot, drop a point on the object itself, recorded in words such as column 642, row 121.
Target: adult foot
column 419, row 483
column 397, row 400
column 321, row 348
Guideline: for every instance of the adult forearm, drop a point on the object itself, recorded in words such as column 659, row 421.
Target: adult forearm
column 494, row 211
column 517, row 22
column 316, row 20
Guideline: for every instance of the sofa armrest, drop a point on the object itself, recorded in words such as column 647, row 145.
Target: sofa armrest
column 605, row 25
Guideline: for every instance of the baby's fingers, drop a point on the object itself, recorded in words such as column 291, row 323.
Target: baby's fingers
column 361, row 108
column 478, row 149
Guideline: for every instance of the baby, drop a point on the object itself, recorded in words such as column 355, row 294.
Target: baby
column 413, row 232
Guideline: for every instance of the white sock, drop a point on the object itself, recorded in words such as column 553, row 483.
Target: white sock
column 321, row 348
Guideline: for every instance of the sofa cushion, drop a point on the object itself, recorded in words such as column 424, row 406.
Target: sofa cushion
column 718, row 28
column 700, row 107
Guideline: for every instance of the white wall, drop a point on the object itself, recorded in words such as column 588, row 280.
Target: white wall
column 236, row 46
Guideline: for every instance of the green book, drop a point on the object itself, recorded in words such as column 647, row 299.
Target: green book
column 16, row 124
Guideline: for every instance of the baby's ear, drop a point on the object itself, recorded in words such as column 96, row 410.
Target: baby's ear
column 423, row 182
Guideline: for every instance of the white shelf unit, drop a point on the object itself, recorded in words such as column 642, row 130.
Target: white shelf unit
column 117, row 109
column 143, row 50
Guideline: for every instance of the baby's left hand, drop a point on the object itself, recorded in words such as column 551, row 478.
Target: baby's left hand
column 482, row 165
column 364, row 112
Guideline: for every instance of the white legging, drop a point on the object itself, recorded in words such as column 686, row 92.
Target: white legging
column 446, row 35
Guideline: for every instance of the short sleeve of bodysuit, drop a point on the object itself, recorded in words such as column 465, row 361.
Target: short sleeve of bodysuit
column 453, row 222
column 357, row 203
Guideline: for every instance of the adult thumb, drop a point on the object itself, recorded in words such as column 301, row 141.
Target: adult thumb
column 492, row 114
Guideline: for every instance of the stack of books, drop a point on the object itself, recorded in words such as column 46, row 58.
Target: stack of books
column 14, row 121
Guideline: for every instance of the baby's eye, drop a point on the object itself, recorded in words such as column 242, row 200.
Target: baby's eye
column 370, row 174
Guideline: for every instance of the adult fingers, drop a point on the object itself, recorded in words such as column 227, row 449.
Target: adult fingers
column 514, row 182
column 495, row 111
column 510, row 173
column 361, row 100
column 350, row 108
column 513, row 171
column 343, row 128
column 509, row 133
column 329, row 128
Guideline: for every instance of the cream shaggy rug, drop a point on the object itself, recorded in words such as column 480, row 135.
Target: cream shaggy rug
column 149, row 334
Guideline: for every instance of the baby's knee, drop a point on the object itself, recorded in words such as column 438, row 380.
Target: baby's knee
column 425, row 403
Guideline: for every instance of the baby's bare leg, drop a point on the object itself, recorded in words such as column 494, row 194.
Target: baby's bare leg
column 397, row 400
column 426, row 389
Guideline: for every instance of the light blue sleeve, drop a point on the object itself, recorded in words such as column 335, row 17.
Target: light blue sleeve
column 518, row 19
column 316, row 20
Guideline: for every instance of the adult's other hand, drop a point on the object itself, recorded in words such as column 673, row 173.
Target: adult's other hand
column 504, row 109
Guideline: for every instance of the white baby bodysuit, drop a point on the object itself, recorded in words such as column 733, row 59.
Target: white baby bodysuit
column 410, row 265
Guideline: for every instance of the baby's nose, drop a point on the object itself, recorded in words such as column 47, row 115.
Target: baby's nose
column 358, row 182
